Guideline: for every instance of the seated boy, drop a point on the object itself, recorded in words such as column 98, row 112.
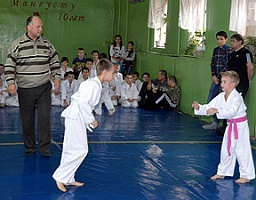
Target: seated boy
column 129, row 92
column 88, row 64
column 115, row 85
column 106, row 99
column 85, row 76
column 136, row 80
column 170, row 97
column 69, row 87
column 3, row 92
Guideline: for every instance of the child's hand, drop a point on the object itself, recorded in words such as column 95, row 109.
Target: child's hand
column 65, row 103
column 114, row 88
column 95, row 124
column 212, row 111
column 113, row 97
column 149, row 86
column 195, row 105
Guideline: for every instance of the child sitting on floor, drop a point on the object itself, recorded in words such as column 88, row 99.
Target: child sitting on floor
column 129, row 92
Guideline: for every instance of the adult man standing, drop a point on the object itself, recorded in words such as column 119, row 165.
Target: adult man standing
column 30, row 60
column 242, row 63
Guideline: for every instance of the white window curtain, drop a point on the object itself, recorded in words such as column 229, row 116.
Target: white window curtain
column 192, row 15
column 156, row 13
column 251, row 19
column 238, row 16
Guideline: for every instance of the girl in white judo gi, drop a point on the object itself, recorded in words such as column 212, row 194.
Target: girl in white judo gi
column 78, row 116
column 236, row 141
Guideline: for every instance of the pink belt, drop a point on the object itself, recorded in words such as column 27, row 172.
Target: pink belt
column 231, row 122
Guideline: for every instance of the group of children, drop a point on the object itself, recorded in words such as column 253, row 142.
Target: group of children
column 92, row 82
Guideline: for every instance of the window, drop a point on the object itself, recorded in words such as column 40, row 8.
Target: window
column 158, row 20
column 243, row 17
column 192, row 17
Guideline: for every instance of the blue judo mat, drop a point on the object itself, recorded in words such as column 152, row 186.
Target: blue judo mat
column 134, row 154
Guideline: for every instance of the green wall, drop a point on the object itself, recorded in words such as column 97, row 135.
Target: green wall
column 193, row 74
column 93, row 24
column 67, row 24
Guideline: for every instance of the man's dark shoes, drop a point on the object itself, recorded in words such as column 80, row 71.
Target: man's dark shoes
column 45, row 154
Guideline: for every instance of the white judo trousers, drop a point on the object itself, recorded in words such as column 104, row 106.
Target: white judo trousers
column 233, row 108
column 74, row 151
column 240, row 150
column 77, row 117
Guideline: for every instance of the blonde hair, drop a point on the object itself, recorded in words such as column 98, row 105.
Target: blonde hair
column 103, row 64
column 234, row 77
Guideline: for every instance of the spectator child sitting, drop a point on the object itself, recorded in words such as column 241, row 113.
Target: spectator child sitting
column 106, row 99
column 129, row 57
column 79, row 62
column 89, row 65
column 85, row 76
column 170, row 95
column 2, row 72
column 3, row 92
column 69, row 87
column 129, row 92
column 115, row 84
column 137, row 82
column 64, row 67
column 95, row 58
column 145, row 79
column 55, row 94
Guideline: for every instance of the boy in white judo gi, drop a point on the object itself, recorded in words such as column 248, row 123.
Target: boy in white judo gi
column 106, row 99
column 236, row 141
column 129, row 92
column 78, row 116
column 115, row 84
column 3, row 92
column 68, row 88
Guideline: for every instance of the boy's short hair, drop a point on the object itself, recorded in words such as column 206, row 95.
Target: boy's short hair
column 95, row 51
column 131, row 42
column 89, row 60
column 102, row 55
column 64, row 59
column 163, row 72
column 127, row 74
column 146, row 73
column 80, row 49
column 136, row 73
column 68, row 73
column 222, row 33
column 103, row 64
column 172, row 78
column 84, row 69
column 234, row 77
column 238, row 37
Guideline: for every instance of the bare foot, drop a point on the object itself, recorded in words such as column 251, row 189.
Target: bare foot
column 75, row 183
column 242, row 181
column 216, row 176
column 61, row 186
